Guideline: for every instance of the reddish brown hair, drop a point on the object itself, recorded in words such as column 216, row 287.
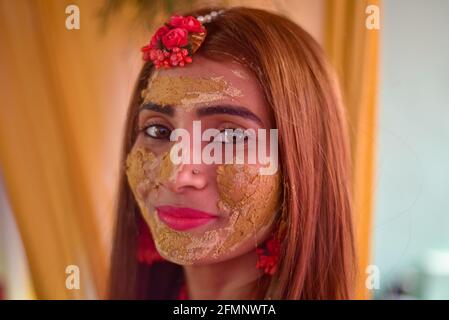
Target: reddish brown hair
column 317, row 259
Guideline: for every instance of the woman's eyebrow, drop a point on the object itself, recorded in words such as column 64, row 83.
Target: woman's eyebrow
column 166, row 109
column 229, row 109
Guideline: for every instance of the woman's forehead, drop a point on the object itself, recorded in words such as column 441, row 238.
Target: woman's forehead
column 207, row 81
column 203, row 67
column 232, row 72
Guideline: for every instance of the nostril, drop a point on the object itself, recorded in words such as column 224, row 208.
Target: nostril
column 188, row 177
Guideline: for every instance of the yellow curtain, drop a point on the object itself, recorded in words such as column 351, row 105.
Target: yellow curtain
column 353, row 50
column 60, row 129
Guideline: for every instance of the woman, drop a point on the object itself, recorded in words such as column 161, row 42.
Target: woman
column 204, row 230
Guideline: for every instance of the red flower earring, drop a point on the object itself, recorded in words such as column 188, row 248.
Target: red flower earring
column 268, row 253
column 146, row 249
column 268, row 256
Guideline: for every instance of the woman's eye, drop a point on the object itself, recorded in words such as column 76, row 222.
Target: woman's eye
column 157, row 131
column 231, row 136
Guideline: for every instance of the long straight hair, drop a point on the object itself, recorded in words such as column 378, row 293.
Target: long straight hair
column 317, row 258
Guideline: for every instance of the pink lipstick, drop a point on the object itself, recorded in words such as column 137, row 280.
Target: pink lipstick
column 182, row 219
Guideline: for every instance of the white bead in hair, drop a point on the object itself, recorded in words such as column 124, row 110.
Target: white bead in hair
column 210, row 16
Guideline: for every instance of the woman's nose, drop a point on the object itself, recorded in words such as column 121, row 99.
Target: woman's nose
column 188, row 176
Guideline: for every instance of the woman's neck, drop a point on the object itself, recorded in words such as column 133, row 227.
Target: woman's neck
column 230, row 279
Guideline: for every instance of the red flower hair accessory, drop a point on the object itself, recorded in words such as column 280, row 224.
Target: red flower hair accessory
column 174, row 43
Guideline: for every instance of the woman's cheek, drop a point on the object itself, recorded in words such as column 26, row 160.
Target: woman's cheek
column 146, row 172
column 251, row 200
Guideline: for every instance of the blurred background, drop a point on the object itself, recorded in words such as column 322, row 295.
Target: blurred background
column 64, row 97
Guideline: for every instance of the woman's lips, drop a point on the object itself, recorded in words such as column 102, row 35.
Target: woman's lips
column 181, row 219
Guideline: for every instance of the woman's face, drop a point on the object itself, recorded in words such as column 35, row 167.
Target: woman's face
column 201, row 213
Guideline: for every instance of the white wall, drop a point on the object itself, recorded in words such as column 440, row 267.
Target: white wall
column 412, row 208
